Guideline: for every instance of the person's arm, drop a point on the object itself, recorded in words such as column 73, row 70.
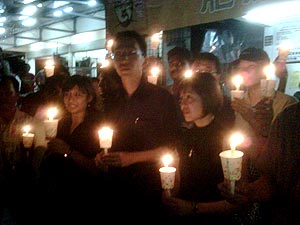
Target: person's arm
column 123, row 159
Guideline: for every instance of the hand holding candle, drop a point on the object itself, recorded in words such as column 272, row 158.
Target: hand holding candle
column 232, row 161
column 167, row 174
column 27, row 137
column 237, row 93
column 105, row 138
column 51, row 123
column 268, row 85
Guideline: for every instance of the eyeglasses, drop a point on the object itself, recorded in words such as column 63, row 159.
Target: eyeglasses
column 121, row 55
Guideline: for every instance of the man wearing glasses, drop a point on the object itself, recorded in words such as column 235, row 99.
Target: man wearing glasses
column 145, row 124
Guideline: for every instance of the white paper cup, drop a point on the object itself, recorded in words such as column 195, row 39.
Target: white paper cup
column 28, row 140
column 232, row 164
column 237, row 94
column 267, row 87
column 167, row 176
column 51, row 128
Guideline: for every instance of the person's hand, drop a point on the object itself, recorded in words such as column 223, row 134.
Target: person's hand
column 98, row 159
column 241, row 196
column 57, row 145
column 178, row 206
column 117, row 159
column 243, row 108
column 263, row 116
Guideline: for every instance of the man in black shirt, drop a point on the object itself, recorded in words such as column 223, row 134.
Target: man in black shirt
column 145, row 123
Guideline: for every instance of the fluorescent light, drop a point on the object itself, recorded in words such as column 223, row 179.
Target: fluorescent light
column 68, row 9
column 274, row 13
column 27, row 1
column 57, row 4
column 2, row 19
column 29, row 10
column 92, row 3
column 57, row 13
column 2, row 30
column 29, row 22
column 23, row 17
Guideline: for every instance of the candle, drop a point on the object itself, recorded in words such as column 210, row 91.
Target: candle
column 268, row 85
column 154, row 75
column 105, row 138
column 237, row 93
column 51, row 123
column 167, row 174
column 232, row 161
column 27, row 137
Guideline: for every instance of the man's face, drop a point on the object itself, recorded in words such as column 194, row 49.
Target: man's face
column 252, row 72
column 177, row 67
column 128, row 59
column 207, row 66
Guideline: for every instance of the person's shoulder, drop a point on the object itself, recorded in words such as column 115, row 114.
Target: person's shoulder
column 287, row 99
column 158, row 89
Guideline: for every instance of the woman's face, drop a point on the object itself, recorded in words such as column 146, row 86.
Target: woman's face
column 191, row 105
column 76, row 101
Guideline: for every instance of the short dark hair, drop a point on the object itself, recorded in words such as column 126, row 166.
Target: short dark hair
column 183, row 53
column 207, row 87
column 7, row 79
column 255, row 55
column 208, row 56
column 84, row 84
column 129, row 36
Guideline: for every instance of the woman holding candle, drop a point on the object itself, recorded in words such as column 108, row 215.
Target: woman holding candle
column 200, row 169
column 69, row 160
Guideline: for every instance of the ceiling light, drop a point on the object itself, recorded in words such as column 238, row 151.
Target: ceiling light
column 273, row 13
column 57, row 13
column 2, row 30
column 23, row 17
column 40, row 5
column 29, row 10
column 92, row 3
column 57, row 4
column 2, row 19
column 29, row 22
column 68, row 9
column 27, row 1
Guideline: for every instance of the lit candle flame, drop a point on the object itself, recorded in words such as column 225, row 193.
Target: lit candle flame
column 269, row 71
column 51, row 113
column 235, row 140
column 26, row 129
column 237, row 81
column 188, row 73
column 155, row 71
column 167, row 160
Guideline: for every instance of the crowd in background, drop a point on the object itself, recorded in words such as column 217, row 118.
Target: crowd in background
column 70, row 180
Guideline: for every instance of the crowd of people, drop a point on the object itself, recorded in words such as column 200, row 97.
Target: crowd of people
column 69, row 179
